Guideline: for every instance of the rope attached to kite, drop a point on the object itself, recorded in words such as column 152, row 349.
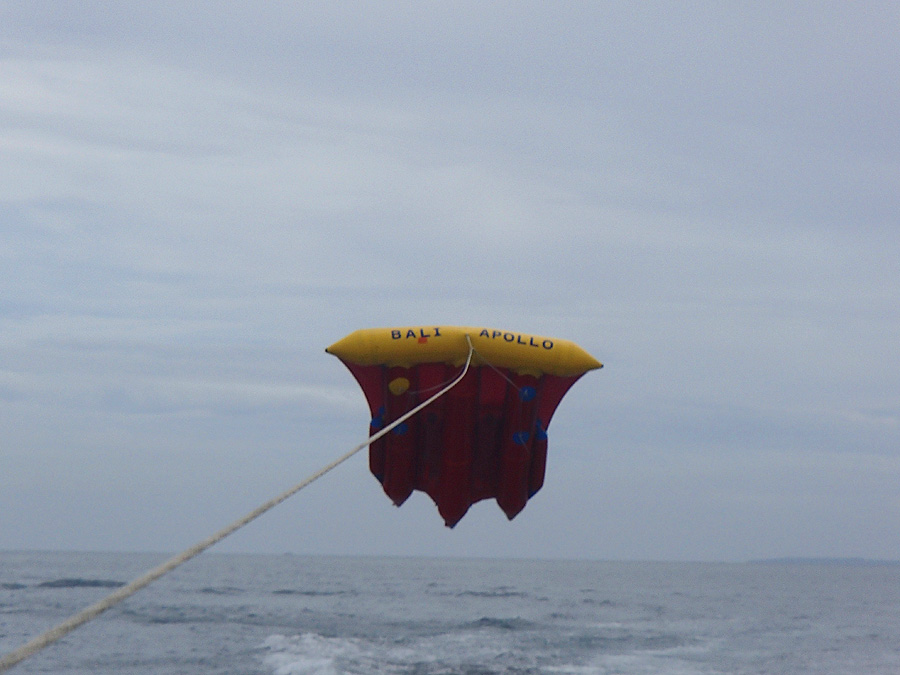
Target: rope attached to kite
column 30, row 648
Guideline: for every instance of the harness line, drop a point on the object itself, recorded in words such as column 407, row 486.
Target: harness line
column 32, row 647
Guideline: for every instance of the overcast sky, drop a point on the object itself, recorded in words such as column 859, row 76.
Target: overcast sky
column 197, row 198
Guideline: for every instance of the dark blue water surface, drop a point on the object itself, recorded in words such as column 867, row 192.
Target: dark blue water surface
column 289, row 615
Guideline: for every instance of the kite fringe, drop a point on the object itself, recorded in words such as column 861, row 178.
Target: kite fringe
column 54, row 634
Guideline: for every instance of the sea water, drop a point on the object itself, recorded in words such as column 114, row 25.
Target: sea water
column 293, row 615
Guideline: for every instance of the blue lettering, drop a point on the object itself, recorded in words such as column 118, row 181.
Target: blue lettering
column 496, row 334
column 547, row 344
column 410, row 333
column 532, row 342
column 509, row 337
column 423, row 334
column 520, row 341
column 395, row 334
column 437, row 332
column 484, row 333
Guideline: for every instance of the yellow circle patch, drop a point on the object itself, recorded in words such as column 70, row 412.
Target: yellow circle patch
column 398, row 385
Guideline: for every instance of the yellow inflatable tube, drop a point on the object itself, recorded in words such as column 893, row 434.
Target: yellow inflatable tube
column 409, row 346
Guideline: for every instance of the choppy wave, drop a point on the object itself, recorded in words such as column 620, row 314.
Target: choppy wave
column 501, row 623
column 221, row 590
column 310, row 593
column 78, row 582
column 502, row 592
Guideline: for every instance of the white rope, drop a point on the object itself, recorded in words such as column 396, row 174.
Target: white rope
column 73, row 622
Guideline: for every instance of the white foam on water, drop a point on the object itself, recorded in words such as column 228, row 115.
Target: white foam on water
column 643, row 664
column 309, row 654
column 313, row 654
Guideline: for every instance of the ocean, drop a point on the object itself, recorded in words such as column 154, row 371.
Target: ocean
column 297, row 615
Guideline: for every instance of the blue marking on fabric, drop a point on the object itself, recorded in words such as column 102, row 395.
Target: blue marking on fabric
column 540, row 434
column 527, row 393
column 521, row 437
column 400, row 429
column 378, row 421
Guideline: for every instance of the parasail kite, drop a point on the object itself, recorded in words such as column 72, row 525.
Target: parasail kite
column 487, row 438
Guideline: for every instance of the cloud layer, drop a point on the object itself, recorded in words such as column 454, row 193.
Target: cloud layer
column 196, row 200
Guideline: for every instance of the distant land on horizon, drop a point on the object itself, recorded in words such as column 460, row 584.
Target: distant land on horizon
column 859, row 562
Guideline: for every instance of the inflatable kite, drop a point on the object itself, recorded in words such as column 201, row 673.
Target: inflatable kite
column 487, row 437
